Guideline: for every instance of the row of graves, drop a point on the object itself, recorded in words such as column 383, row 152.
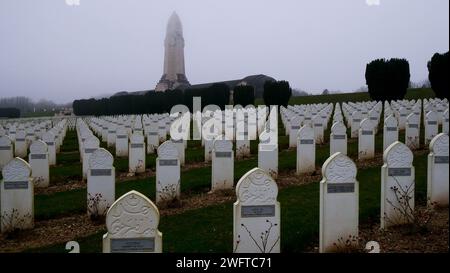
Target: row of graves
column 39, row 146
column 132, row 220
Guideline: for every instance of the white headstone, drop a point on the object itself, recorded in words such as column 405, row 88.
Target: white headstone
column 390, row 131
column 268, row 153
column 366, row 140
column 132, row 224
column 38, row 160
column 222, row 165
column 49, row 139
column 295, row 124
column 437, row 174
column 136, row 149
column 6, row 151
column 431, row 126
column 167, row 173
column 90, row 145
column 445, row 122
column 397, row 186
column 16, row 196
column 256, row 214
column 338, row 138
column 100, row 183
column 338, row 203
column 306, row 150
column 20, row 145
column 318, row 129
column 121, row 142
column 412, row 131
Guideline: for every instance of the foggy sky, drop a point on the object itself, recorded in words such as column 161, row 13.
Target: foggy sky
column 51, row 50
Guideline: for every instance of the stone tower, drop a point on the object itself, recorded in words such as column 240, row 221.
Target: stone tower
column 174, row 74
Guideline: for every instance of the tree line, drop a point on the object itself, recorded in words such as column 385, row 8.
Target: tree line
column 9, row 113
column 275, row 93
column 390, row 79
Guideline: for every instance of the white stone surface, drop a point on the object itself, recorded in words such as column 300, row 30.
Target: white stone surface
column 256, row 214
column 306, row 150
column 16, row 196
column 338, row 203
column 338, row 138
column 366, row 140
column 136, row 158
column 20, row 145
column 90, row 145
column 431, row 126
column 101, row 183
column 268, row 153
column 121, row 142
column 49, row 139
column 132, row 225
column 397, row 185
column 437, row 173
column 390, row 131
column 167, row 173
column 412, row 131
column 222, row 174
column 6, row 151
column 38, row 160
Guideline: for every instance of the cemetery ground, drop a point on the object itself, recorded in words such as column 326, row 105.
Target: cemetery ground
column 203, row 222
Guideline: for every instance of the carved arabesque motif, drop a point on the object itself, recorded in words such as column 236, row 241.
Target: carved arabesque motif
column 339, row 168
column 257, row 188
column 132, row 215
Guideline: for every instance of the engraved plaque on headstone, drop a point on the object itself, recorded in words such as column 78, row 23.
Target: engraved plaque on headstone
column 399, row 171
column 177, row 141
column 50, row 143
column 340, row 187
column 317, row 124
column 16, row 185
column 306, row 141
column 441, row 159
column 5, row 148
column 366, row 133
column 391, row 129
column 121, row 136
column 89, row 150
column 295, row 127
column 357, row 120
column 258, row 211
column 168, row 162
column 20, row 139
column 38, row 156
column 338, row 136
column 101, row 172
column 373, row 118
column 223, row 154
column 432, row 122
column 153, row 133
column 133, row 245
column 413, row 126
column 137, row 145
column 162, row 127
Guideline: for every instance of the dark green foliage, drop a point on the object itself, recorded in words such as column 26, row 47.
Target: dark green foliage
column 277, row 93
column 387, row 79
column 9, row 113
column 438, row 74
column 244, row 95
column 152, row 102
column 174, row 97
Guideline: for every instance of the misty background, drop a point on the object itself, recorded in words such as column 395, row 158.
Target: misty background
column 53, row 51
